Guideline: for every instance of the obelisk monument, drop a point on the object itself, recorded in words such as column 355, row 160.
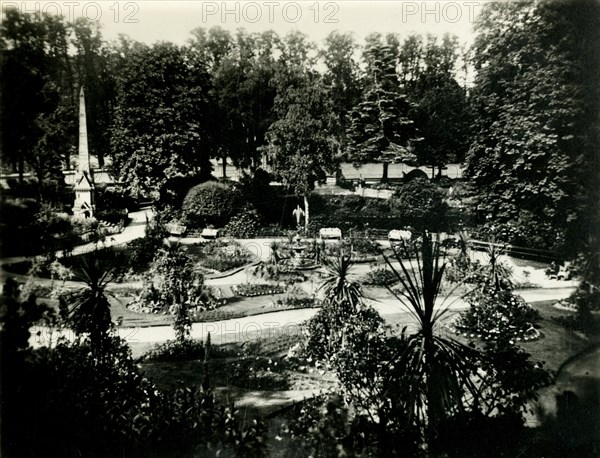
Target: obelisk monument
column 84, row 205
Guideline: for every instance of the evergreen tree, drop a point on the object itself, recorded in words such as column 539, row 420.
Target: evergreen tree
column 380, row 129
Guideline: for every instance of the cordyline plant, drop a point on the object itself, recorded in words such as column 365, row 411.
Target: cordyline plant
column 339, row 290
column 439, row 370
column 89, row 308
column 342, row 306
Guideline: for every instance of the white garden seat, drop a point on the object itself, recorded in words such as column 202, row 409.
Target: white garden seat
column 330, row 233
column 210, row 233
column 397, row 235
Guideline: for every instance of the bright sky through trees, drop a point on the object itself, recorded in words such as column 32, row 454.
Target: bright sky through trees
column 151, row 21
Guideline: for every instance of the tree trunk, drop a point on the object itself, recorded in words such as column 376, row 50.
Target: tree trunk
column 433, row 172
column 306, row 221
column 224, row 160
column 384, row 178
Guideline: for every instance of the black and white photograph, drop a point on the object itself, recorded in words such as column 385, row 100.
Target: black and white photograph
column 297, row 229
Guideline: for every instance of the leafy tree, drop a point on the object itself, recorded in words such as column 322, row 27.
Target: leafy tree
column 299, row 147
column 341, row 79
column 441, row 109
column 38, row 114
column 380, row 129
column 95, row 73
column 161, row 137
column 245, row 224
column 536, row 110
column 245, row 97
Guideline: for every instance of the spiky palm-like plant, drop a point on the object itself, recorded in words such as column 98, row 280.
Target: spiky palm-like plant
column 339, row 290
column 90, row 306
column 438, row 370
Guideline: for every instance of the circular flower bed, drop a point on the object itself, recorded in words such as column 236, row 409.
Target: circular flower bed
column 496, row 315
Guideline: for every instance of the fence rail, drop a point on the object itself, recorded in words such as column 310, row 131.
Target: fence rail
column 519, row 251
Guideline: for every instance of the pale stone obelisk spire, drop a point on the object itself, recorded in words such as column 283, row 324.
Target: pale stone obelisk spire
column 84, row 155
column 84, row 205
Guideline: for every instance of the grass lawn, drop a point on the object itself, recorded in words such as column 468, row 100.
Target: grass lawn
column 252, row 371
column 558, row 343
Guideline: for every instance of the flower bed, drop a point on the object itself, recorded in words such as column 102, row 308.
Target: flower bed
column 498, row 315
column 295, row 302
column 147, row 301
column 257, row 289
column 221, row 255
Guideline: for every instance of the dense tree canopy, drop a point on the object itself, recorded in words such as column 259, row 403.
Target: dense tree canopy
column 536, row 100
column 439, row 105
column 161, row 137
column 38, row 110
column 300, row 147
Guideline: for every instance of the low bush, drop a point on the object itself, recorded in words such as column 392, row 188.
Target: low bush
column 258, row 373
column 420, row 204
column 380, row 277
column 325, row 330
column 222, row 255
column 174, row 350
column 257, row 289
column 208, row 316
column 244, row 224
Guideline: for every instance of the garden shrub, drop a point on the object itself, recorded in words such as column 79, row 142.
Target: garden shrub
column 268, row 200
column 420, row 204
column 243, row 225
column 380, row 277
column 318, row 426
column 209, row 203
column 65, row 401
column 19, row 234
column 295, row 302
column 278, row 273
column 584, row 299
column 257, row 289
column 259, row 373
column 527, row 231
column 326, row 329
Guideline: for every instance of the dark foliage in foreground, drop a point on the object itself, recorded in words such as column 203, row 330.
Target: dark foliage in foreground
column 66, row 400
